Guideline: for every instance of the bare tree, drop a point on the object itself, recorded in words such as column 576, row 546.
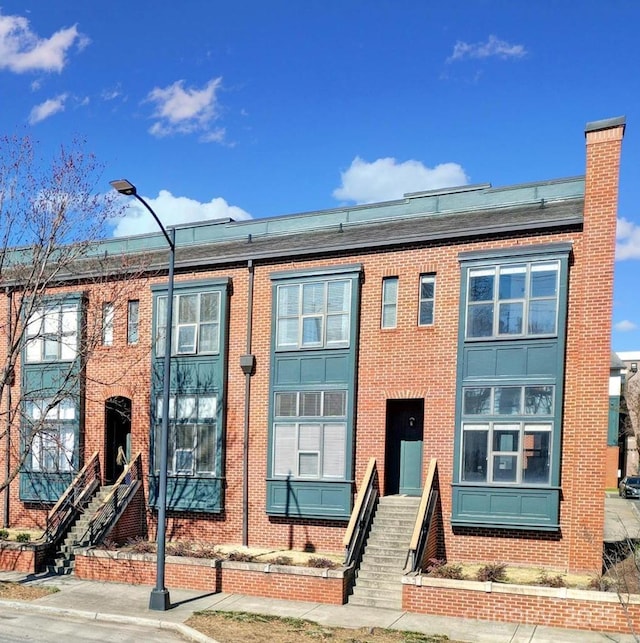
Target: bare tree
column 55, row 277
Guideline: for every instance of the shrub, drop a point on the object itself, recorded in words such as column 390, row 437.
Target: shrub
column 141, row 545
column 4, row 534
column 321, row 563
column 23, row 537
column 205, row 550
column 282, row 560
column 440, row 569
column 495, row 572
column 551, row 581
column 178, row 549
column 600, row 583
column 240, row 557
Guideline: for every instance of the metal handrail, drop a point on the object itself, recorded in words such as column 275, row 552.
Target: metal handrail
column 362, row 514
column 422, row 526
column 114, row 502
column 70, row 502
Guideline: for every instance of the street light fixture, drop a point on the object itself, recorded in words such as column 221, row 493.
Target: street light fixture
column 159, row 599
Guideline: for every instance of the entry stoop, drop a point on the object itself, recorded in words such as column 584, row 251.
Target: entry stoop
column 379, row 578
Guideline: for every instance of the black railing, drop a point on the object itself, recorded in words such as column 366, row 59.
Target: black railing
column 362, row 515
column 424, row 520
column 72, row 501
column 115, row 502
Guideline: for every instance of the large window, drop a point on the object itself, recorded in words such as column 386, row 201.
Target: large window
column 389, row 302
column 196, row 324
column 513, row 300
column 52, row 334
column 309, row 434
column 513, row 445
column 192, row 434
column 313, row 314
column 52, row 432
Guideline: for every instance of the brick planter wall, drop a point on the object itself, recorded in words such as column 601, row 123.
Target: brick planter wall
column 255, row 579
column 561, row 607
column 23, row 557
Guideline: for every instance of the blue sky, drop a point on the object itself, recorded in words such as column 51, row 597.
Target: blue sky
column 260, row 108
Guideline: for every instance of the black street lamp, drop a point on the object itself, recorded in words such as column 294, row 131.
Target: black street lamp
column 159, row 599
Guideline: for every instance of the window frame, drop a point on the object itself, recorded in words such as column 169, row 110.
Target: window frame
column 65, row 338
column 55, row 428
column 108, row 323
column 427, row 278
column 133, row 321
column 389, row 302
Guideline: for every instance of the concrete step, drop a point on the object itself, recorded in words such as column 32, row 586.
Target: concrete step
column 379, row 585
column 380, row 602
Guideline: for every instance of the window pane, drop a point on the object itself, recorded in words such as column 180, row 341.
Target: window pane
column 389, row 316
column 507, row 400
column 186, row 408
column 538, row 400
column 209, row 307
column 506, row 439
column 333, row 449
column 311, row 331
column 309, row 437
column 510, row 320
column 480, row 320
column 338, row 296
column 184, row 461
column 535, row 461
column 70, row 319
column 132, row 321
column 286, row 404
column 542, row 317
column 69, row 347
column 67, row 440
column 544, row 280
column 477, row 401
column 288, row 332
column 481, row 285
column 505, row 468
column 335, row 403
column 288, row 301
column 427, row 287
column 337, row 329
column 34, row 325
column 474, row 456
column 312, row 298
column 187, row 309
column 67, row 410
column 310, row 403
column 389, row 301
column 34, row 350
column 52, row 322
column 512, row 282
column 206, row 449
column 207, row 408
column 426, row 313
column 309, row 465
column 208, row 342
column 184, row 436
column 187, row 339
column 284, row 449
column 108, row 313
column 51, row 348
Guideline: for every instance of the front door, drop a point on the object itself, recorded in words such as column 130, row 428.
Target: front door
column 403, row 466
column 117, row 436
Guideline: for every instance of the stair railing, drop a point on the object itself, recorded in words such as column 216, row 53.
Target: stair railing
column 116, row 500
column 362, row 515
column 72, row 501
column 424, row 520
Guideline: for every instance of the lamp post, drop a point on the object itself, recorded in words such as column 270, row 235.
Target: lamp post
column 159, row 599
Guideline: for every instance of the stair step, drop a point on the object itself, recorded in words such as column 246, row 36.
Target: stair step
column 376, row 601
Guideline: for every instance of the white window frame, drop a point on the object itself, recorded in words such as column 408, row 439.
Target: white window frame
column 296, row 317
column 427, row 279
column 389, row 301
column 108, row 319
column 53, row 436
column 50, row 327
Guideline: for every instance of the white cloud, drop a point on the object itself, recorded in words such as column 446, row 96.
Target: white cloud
column 48, row 108
column 185, row 111
column 493, row 47
column 625, row 326
column 386, row 179
column 21, row 50
column 173, row 210
column 627, row 240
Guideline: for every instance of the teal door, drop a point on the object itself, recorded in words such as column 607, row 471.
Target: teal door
column 404, row 447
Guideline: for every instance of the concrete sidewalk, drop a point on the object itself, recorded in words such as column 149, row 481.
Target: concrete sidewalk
column 129, row 604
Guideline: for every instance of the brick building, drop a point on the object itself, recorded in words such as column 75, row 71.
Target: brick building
column 470, row 325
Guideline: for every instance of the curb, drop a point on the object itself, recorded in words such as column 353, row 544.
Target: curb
column 180, row 628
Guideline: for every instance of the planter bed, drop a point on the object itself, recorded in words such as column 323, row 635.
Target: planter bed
column 23, row 557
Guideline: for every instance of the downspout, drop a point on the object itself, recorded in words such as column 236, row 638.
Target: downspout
column 247, row 363
column 8, row 382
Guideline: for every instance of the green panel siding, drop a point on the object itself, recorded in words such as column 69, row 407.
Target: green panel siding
column 302, row 499
column 189, row 494
column 614, row 420
column 36, row 486
column 526, row 358
column 511, row 361
column 524, row 508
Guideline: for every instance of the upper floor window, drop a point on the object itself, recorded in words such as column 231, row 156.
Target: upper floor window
column 192, row 434
column 513, row 300
column 427, row 299
column 52, row 333
column 313, row 314
column 108, row 314
column 389, row 302
column 133, row 316
column 196, row 324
